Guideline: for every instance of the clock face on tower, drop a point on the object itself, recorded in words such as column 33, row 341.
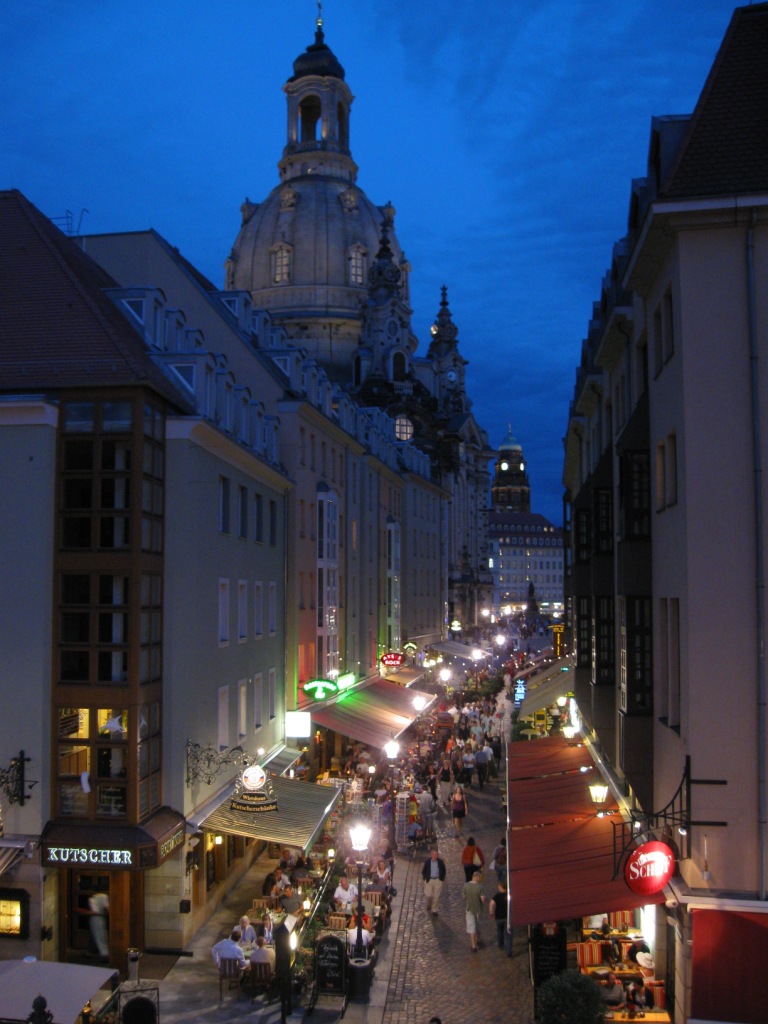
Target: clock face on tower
column 451, row 376
column 504, row 467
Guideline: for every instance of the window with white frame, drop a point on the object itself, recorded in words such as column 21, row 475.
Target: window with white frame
column 223, row 612
column 224, row 502
column 272, row 686
column 242, row 710
column 258, row 609
column 272, row 607
column 242, row 512
column 223, row 718
column 357, row 264
column 242, row 611
column 258, row 701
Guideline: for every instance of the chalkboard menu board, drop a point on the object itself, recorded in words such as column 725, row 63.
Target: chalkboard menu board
column 548, row 942
column 331, row 966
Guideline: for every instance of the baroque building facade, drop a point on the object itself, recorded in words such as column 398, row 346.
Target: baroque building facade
column 326, row 263
column 665, row 498
column 236, row 492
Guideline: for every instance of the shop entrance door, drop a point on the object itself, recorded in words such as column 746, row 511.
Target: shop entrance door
column 83, row 886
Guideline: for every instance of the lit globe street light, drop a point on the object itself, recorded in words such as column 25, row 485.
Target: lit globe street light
column 360, row 836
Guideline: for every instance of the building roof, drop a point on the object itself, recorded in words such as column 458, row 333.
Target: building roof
column 517, row 521
column 58, row 327
column 725, row 150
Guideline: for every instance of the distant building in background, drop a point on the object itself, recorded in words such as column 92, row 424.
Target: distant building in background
column 665, row 456
column 525, row 548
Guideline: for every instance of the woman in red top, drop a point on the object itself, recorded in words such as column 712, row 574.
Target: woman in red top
column 472, row 859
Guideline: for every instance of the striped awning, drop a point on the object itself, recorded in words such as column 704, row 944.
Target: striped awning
column 375, row 713
column 9, row 855
column 302, row 809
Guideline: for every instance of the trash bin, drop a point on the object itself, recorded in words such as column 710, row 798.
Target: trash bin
column 360, row 977
column 133, row 964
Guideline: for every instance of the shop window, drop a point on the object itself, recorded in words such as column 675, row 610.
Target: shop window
column 111, row 801
column 73, row 723
column 73, row 800
column 14, row 914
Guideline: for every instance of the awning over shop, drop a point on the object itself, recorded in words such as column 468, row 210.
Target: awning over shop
column 373, row 714
column 540, row 694
column 11, row 851
column 561, row 855
column 282, row 760
column 457, row 650
column 302, row 809
column 118, row 847
column 406, row 676
column 728, row 944
column 66, row 988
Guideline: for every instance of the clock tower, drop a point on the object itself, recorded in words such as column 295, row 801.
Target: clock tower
column 510, row 489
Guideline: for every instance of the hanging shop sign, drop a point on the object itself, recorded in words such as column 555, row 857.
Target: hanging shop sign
column 346, row 680
column 392, row 659
column 320, row 689
column 410, row 647
column 254, row 792
column 649, row 868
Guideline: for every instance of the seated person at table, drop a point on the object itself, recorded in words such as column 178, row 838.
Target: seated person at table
column 612, row 992
column 247, row 931
column 290, row 901
column 346, row 894
column 288, row 860
column 268, row 883
column 264, row 929
column 281, row 880
column 638, row 946
column 382, row 874
column 611, row 945
column 302, row 866
column 263, row 954
column 228, row 948
column 639, row 996
column 367, row 937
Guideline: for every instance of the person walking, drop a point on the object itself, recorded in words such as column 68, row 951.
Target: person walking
column 433, row 872
column 499, row 861
column 446, row 781
column 459, row 810
column 472, row 859
column 472, row 894
column 497, row 908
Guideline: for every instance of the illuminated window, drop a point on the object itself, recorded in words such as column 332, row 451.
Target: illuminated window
column 281, row 263
column 14, row 913
column 403, row 428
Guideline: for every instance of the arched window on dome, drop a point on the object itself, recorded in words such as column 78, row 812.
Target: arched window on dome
column 357, row 261
column 281, row 259
column 309, row 119
column 342, row 116
column 399, row 366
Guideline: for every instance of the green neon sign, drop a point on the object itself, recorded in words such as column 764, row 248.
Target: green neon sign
column 320, row 688
column 346, row 680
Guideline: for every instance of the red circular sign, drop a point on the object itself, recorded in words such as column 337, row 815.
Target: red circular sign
column 392, row 659
column 649, row 868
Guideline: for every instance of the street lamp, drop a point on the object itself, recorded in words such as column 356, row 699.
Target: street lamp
column 391, row 748
column 419, row 703
column 599, row 793
column 360, row 836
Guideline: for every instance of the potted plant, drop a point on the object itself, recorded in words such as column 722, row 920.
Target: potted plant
column 570, row 998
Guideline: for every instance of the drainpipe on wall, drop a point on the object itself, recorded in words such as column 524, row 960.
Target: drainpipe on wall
column 757, row 471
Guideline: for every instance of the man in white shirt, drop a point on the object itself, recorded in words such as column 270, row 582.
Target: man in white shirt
column 346, row 894
column 229, row 948
column 263, row 954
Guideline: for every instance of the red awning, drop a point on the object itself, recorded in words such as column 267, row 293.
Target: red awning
column 561, row 855
column 728, row 960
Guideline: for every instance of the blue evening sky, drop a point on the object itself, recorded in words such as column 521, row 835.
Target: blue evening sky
column 505, row 133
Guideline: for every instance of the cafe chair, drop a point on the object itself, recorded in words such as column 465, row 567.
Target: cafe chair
column 260, row 905
column 261, row 979
column 230, row 972
column 337, row 921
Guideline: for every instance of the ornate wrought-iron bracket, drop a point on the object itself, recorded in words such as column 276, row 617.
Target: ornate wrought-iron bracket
column 204, row 763
column 672, row 824
column 13, row 782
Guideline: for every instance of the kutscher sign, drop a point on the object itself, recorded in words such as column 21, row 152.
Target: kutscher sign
column 649, row 868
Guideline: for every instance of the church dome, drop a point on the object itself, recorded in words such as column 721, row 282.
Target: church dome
column 326, row 232
column 509, row 444
column 305, row 253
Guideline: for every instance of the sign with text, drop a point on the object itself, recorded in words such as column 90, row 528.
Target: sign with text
column 649, row 868
column 392, row 659
column 320, row 689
